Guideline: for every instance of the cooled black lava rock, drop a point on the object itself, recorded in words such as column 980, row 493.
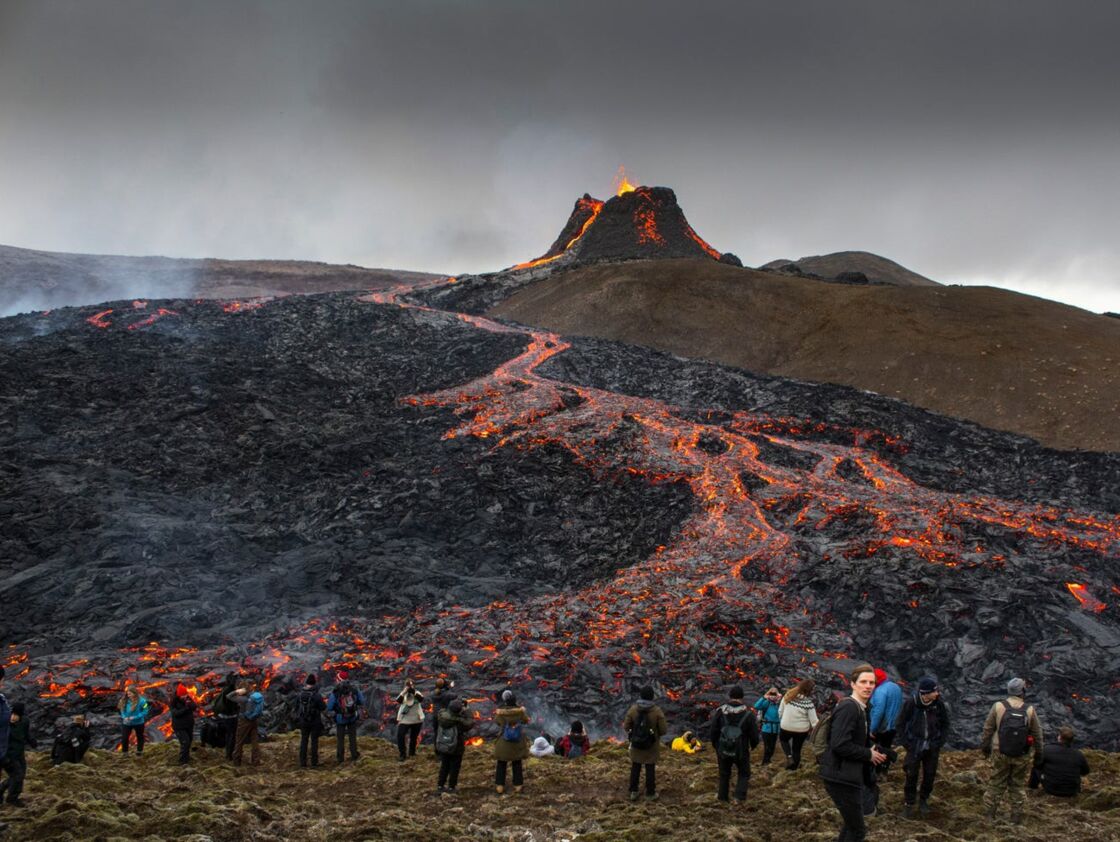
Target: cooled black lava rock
column 730, row 259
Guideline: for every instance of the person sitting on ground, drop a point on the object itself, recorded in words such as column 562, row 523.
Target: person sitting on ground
column 15, row 760
column 645, row 725
column 798, row 719
column 450, row 742
column 410, row 718
column 134, row 710
column 1062, row 767
column 512, row 745
column 251, row 702
column 71, row 745
column 687, row 743
column 309, row 718
column 734, row 734
column 182, row 721
column 575, row 743
column 769, row 708
column 541, row 747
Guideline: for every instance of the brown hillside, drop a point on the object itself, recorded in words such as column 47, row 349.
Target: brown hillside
column 1007, row 361
column 877, row 269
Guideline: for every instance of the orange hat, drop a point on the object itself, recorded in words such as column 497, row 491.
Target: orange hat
column 181, row 690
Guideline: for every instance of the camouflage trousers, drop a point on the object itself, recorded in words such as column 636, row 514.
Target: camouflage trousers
column 1008, row 774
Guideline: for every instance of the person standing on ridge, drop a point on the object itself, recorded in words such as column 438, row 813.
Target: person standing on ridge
column 441, row 697
column 1011, row 734
column 15, row 759
column 182, row 721
column 251, row 702
column 769, row 708
column 309, row 718
column 923, row 726
column 134, row 710
column 512, row 745
column 645, row 725
column 225, row 713
column 410, row 719
column 798, row 719
column 450, row 742
column 346, row 702
column 5, row 722
column 886, row 703
column 734, row 733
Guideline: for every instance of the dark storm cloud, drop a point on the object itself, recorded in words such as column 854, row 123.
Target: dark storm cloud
column 972, row 142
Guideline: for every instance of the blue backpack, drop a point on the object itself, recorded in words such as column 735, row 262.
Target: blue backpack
column 512, row 732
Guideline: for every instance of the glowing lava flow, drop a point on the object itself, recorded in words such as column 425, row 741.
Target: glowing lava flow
column 591, row 206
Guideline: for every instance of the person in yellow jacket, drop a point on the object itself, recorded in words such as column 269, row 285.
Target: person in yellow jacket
column 687, row 743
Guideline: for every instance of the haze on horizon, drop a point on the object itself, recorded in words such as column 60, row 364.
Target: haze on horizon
column 973, row 143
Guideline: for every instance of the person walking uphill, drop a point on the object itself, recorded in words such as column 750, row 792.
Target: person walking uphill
column 182, row 721
column 734, row 734
column 251, row 702
column 410, row 719
column 454, row 722
column 15, row 759
column 798, row 719
column 1011, row 732
column 346, row 702
column 886, row 704
column 845, row 766
column 512, row 745
column 645, row 724
column 923, row 726
column 309, row 718
column 769, row 708
column 134, row 710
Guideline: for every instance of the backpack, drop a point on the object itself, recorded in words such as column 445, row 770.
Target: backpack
column 511, row 732
column 306, row 710
column 345, row 701
column 1014, row 730
column 731, row 736
column 575, row 748
column 822, row 734
column 447, row 738
column 223, row 706
column 642, row 735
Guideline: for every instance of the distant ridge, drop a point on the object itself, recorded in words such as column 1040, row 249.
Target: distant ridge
column 845, row 265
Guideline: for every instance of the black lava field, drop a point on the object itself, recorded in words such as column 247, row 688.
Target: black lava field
column 359, row 480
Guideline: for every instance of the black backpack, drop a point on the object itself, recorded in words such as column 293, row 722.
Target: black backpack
column 1014, row 730
column 307, row 712
column 731, row 737
column 642, row 735
column 447, row 739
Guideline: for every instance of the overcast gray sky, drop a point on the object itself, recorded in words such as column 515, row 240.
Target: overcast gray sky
column 974, row 142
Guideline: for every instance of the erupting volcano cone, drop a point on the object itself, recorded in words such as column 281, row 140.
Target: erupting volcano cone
column 638, row 224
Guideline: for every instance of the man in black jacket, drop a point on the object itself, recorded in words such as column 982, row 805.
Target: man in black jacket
column 923, row 724
column 71, row 745
column 310, row 706
column 182, row 721
column 733, row 748
column 846, row 766
column 1061, row 768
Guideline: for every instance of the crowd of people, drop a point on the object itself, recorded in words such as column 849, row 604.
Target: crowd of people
column 854, row 739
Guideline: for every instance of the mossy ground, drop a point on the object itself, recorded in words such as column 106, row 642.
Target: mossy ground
column 125, row 797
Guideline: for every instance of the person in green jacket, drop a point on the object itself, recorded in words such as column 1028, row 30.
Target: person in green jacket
column 646, row 725
column 15, row 761
column 512, row 745
column 451, row 730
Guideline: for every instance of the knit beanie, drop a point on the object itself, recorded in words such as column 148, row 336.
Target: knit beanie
column 1016, row 687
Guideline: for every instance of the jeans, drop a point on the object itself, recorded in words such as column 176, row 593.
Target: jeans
column 500, row 773
column 924, row 763
column 449, row 765
column 309, row 734
column 791, row 745
column 185, row 738
column 769, row 743
column 743, row 764
column 127, row 730
column 341, row 732
column 849, row 801
column 651, row 777
column 409, row 734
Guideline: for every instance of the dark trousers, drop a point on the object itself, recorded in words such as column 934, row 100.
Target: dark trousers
column 791, row 745
column 449, row 765
column 743, row 764
column 126, row 730
column 16, row 767
column 185, row 738
column 228, row 724
column 247, row 734
column 926, row 764
column 651, row 777
column 309, row 734
column 884, row 739
column 409, row 734
column 769, row 743
column 341, row 732
column 849, row 801
column 500, row 773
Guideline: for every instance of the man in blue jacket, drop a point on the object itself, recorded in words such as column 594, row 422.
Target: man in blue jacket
column 346, row 702
column 886, row 704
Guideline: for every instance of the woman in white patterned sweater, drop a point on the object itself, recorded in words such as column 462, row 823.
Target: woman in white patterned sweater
column 799, row 717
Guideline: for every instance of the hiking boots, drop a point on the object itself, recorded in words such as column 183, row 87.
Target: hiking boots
column 499, row 789
column 1016, row 816
column 923, row 808
column 907, row 811
column 652, row 796
column 634, row 795
column 517, row 788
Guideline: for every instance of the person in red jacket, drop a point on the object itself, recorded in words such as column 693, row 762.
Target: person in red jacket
column 575, row 743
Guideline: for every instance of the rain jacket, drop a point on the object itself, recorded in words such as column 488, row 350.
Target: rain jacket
column 923, row 727
column 359, row 703
column 732, row 714
column 506, row 749
column 252, row 704
column 656, row 721
column 886, row 702
column 462, row 723
column 135, row 714
column 771, row 715
column 848, row 758
column 687, row 746
column 19, row 738
column 564, row 745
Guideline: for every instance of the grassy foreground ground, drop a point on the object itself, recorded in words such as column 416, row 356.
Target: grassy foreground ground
column 124, row 797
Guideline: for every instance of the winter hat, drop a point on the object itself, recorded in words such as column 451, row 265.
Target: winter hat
column 927, row 684
column 1016, row 687
column 508, row 698
column 311, row 680
column 736, row 692
column 646, row 694
column 577, row 727
column 343, row 675
column 18, row 708
column 180, row 690
column 456, row 706
column 880, row 676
